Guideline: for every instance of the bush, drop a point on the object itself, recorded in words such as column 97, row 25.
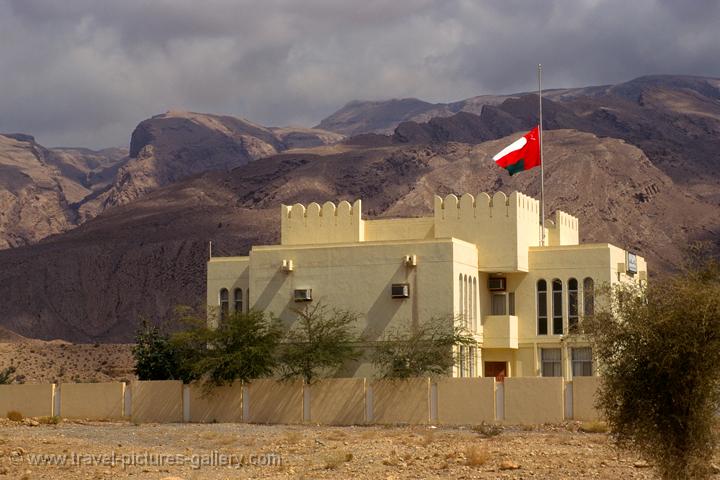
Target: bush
column 658, row 350
column 243, row 347
column 320, row 341
column 425, row 349
column 15, row 416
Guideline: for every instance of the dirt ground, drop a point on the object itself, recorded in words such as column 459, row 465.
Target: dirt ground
column 200, row 451
column 37, row 361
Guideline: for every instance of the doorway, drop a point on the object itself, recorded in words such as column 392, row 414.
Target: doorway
column 496, row 369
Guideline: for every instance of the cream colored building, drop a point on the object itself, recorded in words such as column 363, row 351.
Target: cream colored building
column 477, row 259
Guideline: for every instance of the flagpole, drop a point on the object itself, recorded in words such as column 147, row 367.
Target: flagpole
column 542, row 163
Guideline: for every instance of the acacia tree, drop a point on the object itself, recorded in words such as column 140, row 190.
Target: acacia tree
column 320, row 341
column 658, row 351
column 154, row 356
column 425, row 349
column 243, row 347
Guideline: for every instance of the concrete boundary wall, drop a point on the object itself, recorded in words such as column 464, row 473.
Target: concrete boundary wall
column 31, row 400
column 465, row 401
column 94, row 401
column 221, row 404
column 534, row 400
column 583, row 398
column 337, row 401
column 273, row 401
column 401, row 401
column 159, row 401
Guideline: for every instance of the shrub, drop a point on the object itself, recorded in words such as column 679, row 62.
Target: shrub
column 488, row 430
column 593, row 427
column 54, row 420
column 320, row 341
column 658, row 350
column 476, row 455
column 425, row 349
column 6, row 375
column 15, row 416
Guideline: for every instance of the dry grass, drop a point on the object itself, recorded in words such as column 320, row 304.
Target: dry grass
column 15, row 416
column 476, row 455
column 488, row 430
column 54, row 420
column 594, row 427
column 336, row 459
column 426, row 438
column 292, row 437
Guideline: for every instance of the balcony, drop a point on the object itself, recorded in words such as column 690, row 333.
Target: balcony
column 500, row 331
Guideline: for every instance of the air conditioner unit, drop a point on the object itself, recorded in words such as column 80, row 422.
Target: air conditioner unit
column 303, row 295
column 400, row 290
column 411, row 260
column 496, row 284
column 288, row 266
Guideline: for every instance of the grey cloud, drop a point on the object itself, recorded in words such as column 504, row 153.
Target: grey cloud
column 82, row 72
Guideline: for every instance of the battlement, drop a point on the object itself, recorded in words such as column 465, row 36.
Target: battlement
column 469, row 207
column 564, row 230
column 321, row 224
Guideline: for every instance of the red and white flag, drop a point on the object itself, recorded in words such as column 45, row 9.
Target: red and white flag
column 523, row 154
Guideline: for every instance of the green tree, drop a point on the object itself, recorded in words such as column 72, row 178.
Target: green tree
column 658, row 351
column 243, row 347
column 154, row 356
column 426, row 349
column 320, row 341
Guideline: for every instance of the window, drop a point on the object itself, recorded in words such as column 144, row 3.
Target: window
column 238, row 300
column 224, row 303
column 551, row 362
column 573, row 306
column 588, row 296
column 582, row 362
column 498, row 304
column 511, row 303
column 474, row 306
column 463, row 372
column 472, row 360
column 461, row 307
column 542, row 307
column 557, row 307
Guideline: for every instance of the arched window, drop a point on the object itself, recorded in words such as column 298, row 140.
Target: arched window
column 224, row 303
column 542, row 327
column 573, row 306
column 588, row 296
column 557, row 307
column 461, row 307
column 474, row 310
column 238, row 300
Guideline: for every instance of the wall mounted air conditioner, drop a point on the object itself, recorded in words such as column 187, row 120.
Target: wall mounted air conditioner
column 303, row 295
column 400, row 290
column 496, row 284
column 288, row 266
column 411, row 260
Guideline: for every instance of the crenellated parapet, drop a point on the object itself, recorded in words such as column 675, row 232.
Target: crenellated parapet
column 503, row 227
column 564, row 230
column 300, row 225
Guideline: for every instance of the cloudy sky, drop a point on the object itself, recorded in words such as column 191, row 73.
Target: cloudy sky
column 84, row 73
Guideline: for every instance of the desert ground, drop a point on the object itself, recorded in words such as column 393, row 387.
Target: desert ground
column 178, row 451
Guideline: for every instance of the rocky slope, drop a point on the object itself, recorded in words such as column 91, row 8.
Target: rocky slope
column 40, row 187
column 175, row 145
column 145, row 257
column 674, row 119
column 48, row 191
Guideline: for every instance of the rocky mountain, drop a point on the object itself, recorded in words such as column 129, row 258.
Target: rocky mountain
column 140, row 259
column 674, row 120
column 175, row 145
column 40, row 188
column 49, row 191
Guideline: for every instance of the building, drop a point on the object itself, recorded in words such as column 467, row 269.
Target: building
column 477, row 259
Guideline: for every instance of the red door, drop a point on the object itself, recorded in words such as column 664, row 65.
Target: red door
column 496, row 369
